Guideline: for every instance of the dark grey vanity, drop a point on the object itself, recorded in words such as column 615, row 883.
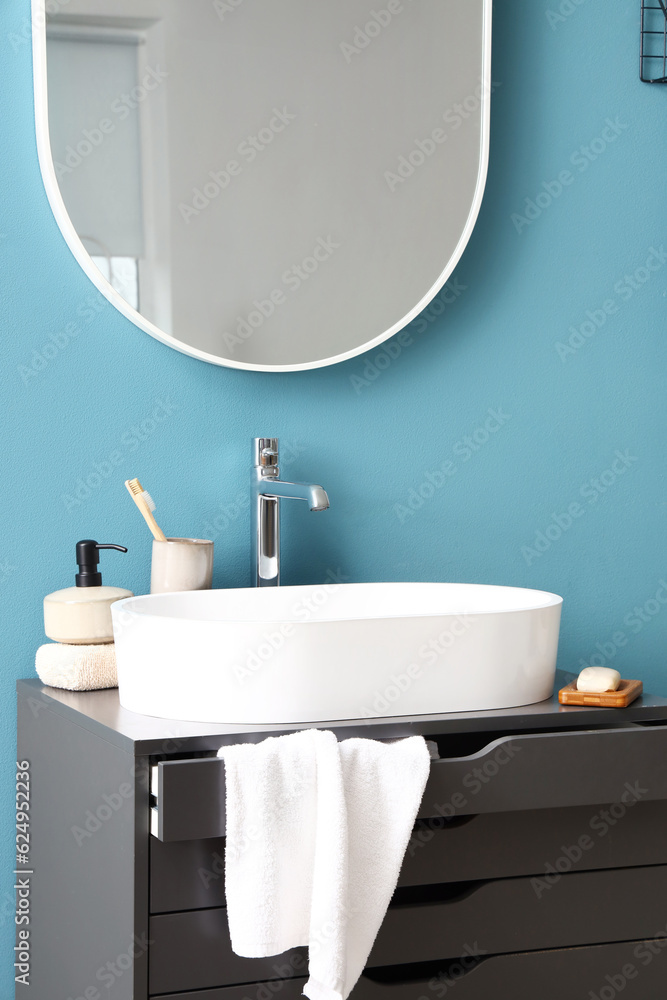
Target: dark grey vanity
column 538, row 867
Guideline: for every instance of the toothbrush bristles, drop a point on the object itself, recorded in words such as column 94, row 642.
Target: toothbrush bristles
column 148, row 499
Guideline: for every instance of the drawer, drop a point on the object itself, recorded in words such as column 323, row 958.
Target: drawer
column 188, row 874
column 191, row 951
column 638, row 968
column 539, row 841
column 522, row 914
column 534, row 771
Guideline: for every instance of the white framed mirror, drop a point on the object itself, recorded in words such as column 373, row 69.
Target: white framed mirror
column 273, row 185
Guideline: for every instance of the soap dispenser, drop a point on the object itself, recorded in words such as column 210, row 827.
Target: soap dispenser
column 82, row 614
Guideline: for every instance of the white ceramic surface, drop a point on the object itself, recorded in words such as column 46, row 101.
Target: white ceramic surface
column 332, row 652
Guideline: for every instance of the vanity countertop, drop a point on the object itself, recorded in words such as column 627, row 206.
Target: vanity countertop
column 101, row 713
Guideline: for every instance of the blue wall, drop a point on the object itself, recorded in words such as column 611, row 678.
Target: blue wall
column 523, row 285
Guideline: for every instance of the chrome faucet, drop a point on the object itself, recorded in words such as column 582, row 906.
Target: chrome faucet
column 267, row 489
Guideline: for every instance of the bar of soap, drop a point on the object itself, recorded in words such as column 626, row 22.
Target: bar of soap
column 597, row 680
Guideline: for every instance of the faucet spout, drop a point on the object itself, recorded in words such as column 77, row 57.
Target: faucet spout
column 267, row 490
column 319, row 499
column 314, row 495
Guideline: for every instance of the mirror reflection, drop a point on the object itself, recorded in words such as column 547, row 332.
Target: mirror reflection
column 270, row 185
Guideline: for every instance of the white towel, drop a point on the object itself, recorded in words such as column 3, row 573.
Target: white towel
column 77, row 668
column 316, row 834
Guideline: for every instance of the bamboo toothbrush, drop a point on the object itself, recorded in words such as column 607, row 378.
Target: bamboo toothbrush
column 146, row 505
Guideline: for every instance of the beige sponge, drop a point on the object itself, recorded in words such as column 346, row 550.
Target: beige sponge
column 77, row 668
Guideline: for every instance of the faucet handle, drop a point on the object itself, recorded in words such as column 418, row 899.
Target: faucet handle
column 265, row 452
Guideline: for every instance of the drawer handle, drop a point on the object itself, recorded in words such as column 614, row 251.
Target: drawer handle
column 427, row 974
column 443, row 892
column 443, row 823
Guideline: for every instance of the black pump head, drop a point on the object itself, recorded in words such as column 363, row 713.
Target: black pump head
column 87, row 558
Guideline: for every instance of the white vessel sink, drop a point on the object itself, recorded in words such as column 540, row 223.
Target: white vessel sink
column 345, row 651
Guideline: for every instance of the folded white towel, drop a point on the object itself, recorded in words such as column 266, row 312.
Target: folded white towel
column 316, row 834
column 77, row 668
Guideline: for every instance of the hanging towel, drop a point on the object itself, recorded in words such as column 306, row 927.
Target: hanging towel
column 316, row 834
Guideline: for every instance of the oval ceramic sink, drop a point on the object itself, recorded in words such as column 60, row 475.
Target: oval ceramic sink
column 333, row 652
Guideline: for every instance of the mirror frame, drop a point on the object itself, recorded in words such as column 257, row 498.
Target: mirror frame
column 83, row 258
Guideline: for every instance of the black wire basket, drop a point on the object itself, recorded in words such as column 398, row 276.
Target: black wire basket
column 653, row 49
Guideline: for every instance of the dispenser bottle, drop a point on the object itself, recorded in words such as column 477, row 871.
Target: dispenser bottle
column 82, row 614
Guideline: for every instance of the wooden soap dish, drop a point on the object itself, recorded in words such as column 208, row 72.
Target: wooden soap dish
column 624, row 695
